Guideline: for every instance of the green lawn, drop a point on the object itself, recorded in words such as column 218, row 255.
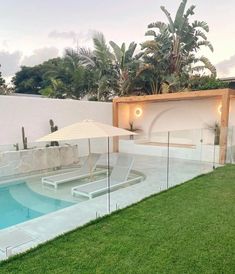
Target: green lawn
column 188, row 229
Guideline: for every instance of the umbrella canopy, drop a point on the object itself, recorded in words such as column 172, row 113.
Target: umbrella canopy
column 88, row 130
column 85, row 130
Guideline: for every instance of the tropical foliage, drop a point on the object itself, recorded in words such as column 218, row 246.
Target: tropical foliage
column 166, row 63
column 170, row 56
column 2, row 81
column 206, row 82
column 4, row 90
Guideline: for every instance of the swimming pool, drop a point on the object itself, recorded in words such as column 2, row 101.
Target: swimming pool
column 18, row 203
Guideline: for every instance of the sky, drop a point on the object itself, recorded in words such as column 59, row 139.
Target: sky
column 33, row 31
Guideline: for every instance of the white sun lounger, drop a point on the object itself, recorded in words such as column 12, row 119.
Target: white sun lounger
column 118, row 177
column 85, row 170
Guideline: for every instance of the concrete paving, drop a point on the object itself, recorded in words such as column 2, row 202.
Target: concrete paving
column 49, row 226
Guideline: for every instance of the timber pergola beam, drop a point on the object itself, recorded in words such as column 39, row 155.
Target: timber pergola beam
column 223, row 94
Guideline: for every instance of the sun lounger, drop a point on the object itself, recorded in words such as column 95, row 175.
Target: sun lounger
column 87, row 169
column 119, row 176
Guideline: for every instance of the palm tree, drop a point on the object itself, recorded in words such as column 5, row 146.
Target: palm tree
column 2, row 80
column 71, row 60
column 101, row 61
column 68, row 71
column 126, row 65
column 57, row 69
column 56, row 89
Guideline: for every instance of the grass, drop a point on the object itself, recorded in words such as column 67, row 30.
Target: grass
column 188, row 229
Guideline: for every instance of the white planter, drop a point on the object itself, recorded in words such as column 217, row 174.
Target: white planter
column 25, row 161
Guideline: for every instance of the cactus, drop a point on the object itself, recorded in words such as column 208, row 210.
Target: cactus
column 24, row 139
column 53, row 129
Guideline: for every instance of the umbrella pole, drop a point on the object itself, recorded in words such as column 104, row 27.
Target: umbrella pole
column 108, row 178
column 89, row 146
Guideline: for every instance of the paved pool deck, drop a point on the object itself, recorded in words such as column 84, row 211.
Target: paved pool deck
column 49, row 226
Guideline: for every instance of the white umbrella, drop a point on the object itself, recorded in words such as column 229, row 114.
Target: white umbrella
column 87, row 129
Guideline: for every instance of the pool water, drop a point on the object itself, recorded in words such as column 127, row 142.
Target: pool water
column 18, row 203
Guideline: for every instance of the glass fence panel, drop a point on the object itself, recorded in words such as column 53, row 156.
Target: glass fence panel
column 211, row 146
column 232, row 145
column 230, row 157
column 139, row 169
column 185, row 153
column 144, row 165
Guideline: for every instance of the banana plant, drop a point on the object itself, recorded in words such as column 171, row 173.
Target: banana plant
column 175, row 44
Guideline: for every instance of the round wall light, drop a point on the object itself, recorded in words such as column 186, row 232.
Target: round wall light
column 219, row 109
column 138, row 112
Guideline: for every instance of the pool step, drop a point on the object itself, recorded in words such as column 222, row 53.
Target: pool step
column 34, row 201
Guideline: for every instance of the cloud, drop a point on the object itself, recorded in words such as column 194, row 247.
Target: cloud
column 5, row 44
column 80, row 37
column 10, row 62
column 62, row 34
column 40, row 55
column 225, row 66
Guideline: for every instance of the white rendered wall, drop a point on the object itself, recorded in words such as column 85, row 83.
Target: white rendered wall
column 186, row 116
column 34, row 114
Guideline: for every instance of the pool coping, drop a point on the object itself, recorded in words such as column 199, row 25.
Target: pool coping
column 69, row 218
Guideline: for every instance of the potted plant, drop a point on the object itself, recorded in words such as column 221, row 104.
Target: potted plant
column 132, row 129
